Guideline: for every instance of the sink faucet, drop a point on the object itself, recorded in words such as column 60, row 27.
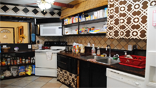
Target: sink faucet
column 108, row 46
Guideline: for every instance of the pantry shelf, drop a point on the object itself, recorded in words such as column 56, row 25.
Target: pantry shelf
column 69, row 25
column 18, row 65
column 94, row 21
column 11, row 77
column 86, row 34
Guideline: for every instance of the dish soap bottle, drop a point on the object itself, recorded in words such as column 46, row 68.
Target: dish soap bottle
column 93, row 50
column 98, row 51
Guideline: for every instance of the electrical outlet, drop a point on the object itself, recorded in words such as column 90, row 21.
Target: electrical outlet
column 130, row 47
column 4, row 46
column 29, row 46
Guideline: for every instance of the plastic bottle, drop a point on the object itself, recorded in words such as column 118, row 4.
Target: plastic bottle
column 93, row 50
column 98, row 51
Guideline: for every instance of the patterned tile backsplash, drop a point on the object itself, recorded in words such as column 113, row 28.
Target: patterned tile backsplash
column 100, row 41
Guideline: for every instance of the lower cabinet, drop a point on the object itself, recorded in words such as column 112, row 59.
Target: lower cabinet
column 98, row 75
column 67, row 70
column 84, row 74
column 92, row 75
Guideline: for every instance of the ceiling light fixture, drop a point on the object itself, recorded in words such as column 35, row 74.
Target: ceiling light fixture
column 45, row 4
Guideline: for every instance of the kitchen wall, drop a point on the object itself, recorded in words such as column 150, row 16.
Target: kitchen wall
column 16, row 25
column 42, row 39
column 100, row 41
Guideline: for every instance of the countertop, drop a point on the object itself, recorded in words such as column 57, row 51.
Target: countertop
column 117, row 66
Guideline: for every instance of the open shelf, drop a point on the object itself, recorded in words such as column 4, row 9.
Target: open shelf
column 11, row 77
column 94, row 21
column 18, row 65
column 17, row 52
column 73, row 24
column 86, row 34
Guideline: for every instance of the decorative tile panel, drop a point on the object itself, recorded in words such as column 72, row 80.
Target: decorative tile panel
column 66, row 77
column 152, row 2
column 27, row 11
column 127, row 19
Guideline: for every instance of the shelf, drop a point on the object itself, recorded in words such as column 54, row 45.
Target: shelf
column 73, row 24
column 86, row 34
column 71, row 35
column 94, row 34
column 16, row 77
column 87, row 22
column 94, row 21
column 17, row 52
column 18, row 65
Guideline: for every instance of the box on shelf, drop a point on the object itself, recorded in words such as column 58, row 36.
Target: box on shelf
column 21, row 71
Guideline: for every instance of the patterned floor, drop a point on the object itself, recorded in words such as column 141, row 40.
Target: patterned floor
column 32, row 82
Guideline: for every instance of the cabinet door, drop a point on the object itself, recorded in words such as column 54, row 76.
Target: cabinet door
column 73, row 65
column 98, row 75
column 62, row 62
column 84, row 74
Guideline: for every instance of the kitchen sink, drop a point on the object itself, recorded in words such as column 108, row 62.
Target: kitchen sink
column 104, row 60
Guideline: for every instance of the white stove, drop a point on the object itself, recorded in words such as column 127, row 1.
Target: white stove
column 46, row 66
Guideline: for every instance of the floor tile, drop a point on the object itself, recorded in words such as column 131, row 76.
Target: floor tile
column 54, row 80
column 64, row 86
column 8, row 81
column 52, row 85
column 12, row 87
column 35, row 84
column 21, row 83
column 43, row 79
column 3, row 85
column 30, row 78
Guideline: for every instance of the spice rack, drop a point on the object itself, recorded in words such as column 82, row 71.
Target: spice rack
column 18, row 59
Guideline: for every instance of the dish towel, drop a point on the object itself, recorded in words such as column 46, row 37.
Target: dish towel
column 49, row 55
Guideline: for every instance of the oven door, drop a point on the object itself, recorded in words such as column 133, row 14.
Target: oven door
column 42, row 61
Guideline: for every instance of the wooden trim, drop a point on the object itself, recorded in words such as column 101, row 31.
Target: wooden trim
column 82, row 7
column 78, row 73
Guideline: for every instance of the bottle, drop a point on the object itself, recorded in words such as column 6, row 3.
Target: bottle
column 8, row 61
column 0, row 49
column 33, row 60
column 23, row 61
column 3, row 62
column 15, row 61
column 29, row 60
column 26, row 61
column 0, row 62
column 98, row 51
column 93, row 50
column 12, row 61
column 18, row 61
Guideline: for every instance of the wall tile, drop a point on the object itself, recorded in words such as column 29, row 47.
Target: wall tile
column 100, row 41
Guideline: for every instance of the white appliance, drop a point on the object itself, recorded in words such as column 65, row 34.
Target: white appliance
column 118, row 79
column 45, row 67
column 52, row 29
column 150, row 75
